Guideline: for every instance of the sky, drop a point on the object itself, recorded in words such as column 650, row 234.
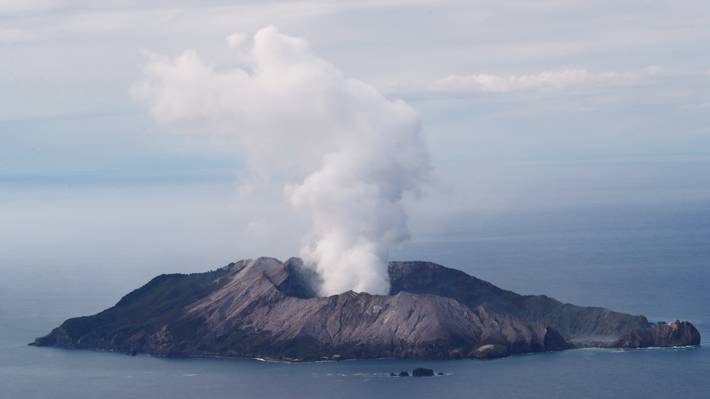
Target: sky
column 521, row 105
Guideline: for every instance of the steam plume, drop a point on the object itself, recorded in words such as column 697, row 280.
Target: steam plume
column 357, row 152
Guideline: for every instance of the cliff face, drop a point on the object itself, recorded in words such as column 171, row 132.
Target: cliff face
column 678, row 333
column 263, row 308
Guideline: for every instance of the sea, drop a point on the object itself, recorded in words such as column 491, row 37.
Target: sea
column 650, row 258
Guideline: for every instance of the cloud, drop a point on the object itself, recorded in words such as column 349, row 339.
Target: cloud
column 652, row 70
column 548, row 79
column 20, row 7
column 355, row 153
column 236, row 40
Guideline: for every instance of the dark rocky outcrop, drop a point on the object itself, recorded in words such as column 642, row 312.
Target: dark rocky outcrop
column 265, row 308
column 293, row 279
column 678, row 333
column 422, row 372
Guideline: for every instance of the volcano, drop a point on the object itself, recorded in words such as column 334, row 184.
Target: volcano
column 265, row 308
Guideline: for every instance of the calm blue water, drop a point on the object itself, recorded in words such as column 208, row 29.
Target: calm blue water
column 652, row 260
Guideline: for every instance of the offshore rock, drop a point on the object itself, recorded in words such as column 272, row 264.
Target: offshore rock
column 678, row 333
column 268, row 309
column 422, row 372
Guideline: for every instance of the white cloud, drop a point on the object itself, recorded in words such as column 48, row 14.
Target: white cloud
column 652, row 70
column 493, row 83
column 236, row 40
column 359, row 152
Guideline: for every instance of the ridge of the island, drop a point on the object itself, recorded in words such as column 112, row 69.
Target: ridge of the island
column 268, row 309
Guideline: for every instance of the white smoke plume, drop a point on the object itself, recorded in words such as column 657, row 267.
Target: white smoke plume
column 357, row 152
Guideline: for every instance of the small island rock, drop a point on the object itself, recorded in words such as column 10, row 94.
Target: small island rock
column 422, row 372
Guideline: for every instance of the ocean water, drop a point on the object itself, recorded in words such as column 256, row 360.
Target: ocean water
column 651, row 259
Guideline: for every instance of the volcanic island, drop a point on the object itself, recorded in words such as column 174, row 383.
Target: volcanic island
column 265, row 308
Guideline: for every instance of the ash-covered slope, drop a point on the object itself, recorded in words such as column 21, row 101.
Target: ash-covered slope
column 402, row 325
column 263, row 308
column 583, row 326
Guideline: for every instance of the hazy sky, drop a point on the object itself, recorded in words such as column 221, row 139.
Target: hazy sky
column 522, row 104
